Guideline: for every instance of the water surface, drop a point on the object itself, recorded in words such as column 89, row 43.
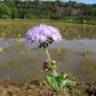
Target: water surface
column 19, row 63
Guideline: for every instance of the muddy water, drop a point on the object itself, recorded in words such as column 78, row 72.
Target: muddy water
column 19, row 63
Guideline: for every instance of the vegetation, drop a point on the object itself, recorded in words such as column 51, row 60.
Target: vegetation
column 74, row 20
column 18, row 28
column 49, row 10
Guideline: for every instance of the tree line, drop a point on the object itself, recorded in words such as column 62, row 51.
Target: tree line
column 28, row 9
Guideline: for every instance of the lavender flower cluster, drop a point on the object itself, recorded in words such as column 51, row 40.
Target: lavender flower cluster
column 42, row 35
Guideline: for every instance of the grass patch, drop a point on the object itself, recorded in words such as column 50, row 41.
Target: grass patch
column 16, row 28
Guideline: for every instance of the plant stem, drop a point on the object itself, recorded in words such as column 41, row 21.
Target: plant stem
column 50, row 62
column 48, row 55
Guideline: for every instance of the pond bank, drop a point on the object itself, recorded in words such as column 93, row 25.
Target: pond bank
column 18, row 28
column 37, row 88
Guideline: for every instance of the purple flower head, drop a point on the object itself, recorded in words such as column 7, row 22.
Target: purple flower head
column 43, row 35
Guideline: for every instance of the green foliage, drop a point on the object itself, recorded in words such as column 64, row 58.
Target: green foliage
column 48, row 10
column 53, row 83
column 60, row 81
column 5, row 11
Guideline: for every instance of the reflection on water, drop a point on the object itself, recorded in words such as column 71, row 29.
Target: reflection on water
column 19, row 62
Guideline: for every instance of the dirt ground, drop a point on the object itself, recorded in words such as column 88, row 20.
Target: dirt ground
column 36, row 88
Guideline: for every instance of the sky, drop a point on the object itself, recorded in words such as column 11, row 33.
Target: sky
column 83, row 1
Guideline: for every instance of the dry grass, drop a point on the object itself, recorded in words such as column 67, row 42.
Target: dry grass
column 18, row 28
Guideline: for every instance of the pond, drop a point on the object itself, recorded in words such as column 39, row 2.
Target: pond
column 20, row 63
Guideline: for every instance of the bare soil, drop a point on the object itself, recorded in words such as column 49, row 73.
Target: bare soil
column 36, row 88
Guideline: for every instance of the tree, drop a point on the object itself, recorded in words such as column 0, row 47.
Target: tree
column 5, row 11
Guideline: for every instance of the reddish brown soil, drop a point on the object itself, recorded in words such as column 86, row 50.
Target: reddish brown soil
column 36, row 88
column 33, row 89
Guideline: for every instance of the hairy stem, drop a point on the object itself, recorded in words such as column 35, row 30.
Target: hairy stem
column 54, row 72
column 48, row 55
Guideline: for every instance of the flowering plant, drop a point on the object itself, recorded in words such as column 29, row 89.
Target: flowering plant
column 43, row 36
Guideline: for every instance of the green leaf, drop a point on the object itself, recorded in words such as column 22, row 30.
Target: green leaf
column 65, row 80
column 53, row 83
column 62, row 76
column 69, row 82
column 62, row 80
